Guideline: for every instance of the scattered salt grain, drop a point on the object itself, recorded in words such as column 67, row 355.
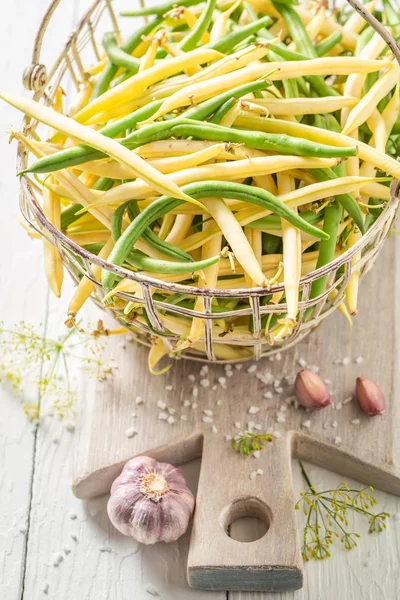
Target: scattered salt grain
column 55, row 440
column 74, row 537
column 192, row 378
column 355, row 422
column 258, row 426
column 339, row 405
column 253, row 475
column 184, row 418
column 302, row 362
column 306, row 424
column 204, row 370
column 67, row 550
column 267, row 395
column 171, row 411
column 207, row 419
column 168, row 388
column 204, row 383
column 314, row 368
column 161, row 404
column 276, row 434
column 334, row 424
column 237, row 425
column 150, row 589
column 72, row 516
column 280, row 418
column 337, row 440
column 326, row 425
column 104, row 549
column 253, row 410
column 70, row 427
column 139, row 400
column 250, row 425
column 219, row 402
column 228, row 438
column 347, row 400
column 252, row 369
column 194, row 405
column 195, row 392
column 214, row 387
column 327, row 381
column 163, row 416
column 260, row 471
column 345, row 361
column 278, row 356
column 279, row 390
column 22, row 529
column 186, row 403
column 57, row 559
column 214, row 429
column 358, row 360
column 171, row 420
column 238, row 366
column 130, row 432
column 283, row 408
column 208, row 412
column 222, row 381
column 256, row 454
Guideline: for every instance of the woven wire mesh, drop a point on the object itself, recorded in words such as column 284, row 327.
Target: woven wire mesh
column 79, row 262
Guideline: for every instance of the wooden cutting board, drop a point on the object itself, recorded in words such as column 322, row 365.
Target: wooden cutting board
column 368, row 451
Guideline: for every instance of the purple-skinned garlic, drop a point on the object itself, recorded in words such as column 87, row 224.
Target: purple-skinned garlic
column 150, row 501
column 369, row 397
column 311, row 391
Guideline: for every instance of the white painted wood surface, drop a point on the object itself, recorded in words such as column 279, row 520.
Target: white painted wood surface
column 36, row 502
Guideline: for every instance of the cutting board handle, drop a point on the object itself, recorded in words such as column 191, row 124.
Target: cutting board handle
column 228, row 490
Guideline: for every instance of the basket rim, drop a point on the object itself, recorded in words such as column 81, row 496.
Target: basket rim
column 85, row 255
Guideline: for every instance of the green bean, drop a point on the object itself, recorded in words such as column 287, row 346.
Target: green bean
column 364, row 37
column 76, row 155
column 117, row 56
column 392, row 17
column 104, row 184
column 153, row 240
column 159, row 10
column 94, row 248
column 272, row 222
column 332, row 218
column 145, row 263
column 228, row 41
column 165, row 204
column 304, row 44
column 346, row 200
column 193, row 37
column 103, row 81
column 69, row 216
column 221, row 112
column 328, row 43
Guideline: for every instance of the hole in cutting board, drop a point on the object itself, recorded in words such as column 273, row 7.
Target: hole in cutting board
column 246, row 519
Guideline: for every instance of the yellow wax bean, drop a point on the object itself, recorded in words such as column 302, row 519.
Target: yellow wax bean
column 384, row 162
column 180, row 229
column 306, row 106
column 157, row 351
column 363, row 110
column 355, row 22
column 265, row 7
column 234, row 235
column 230, row 117
column 377, row 125
column 218, row 29
column 86, row 285
column 227, row 170
column 354, row 281
column 149, row 58
column 349, row 39
column 134, row 86
column 52, row 260
column 200, row 91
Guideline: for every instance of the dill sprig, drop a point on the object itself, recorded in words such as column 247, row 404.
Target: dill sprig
column 327, row 517
column 26, row 356
column 248, row 442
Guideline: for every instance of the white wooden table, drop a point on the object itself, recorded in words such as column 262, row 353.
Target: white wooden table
column 40, row 520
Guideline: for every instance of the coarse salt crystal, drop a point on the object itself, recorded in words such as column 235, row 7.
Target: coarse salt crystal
column 150, row 589
column 214, row 387
column 204, row 370
column 228, row 367
column 171, row 420
column 72, row 516
column 237, row 425
column 192, row 378
column 238, row 366
column 280, row 418
column 104, row 549
column 260, row 471
column 252, row 369
column 184, row 418
column 279, row 390
column 327, row 381
column 57, row 559
column 130, row 432
column 253, row 410
column 139, row 400
column 347, row 400
column 276, row 434
column 267, row 395
column 355, row 422
column 283, row 408
column 186, row 403
column 228, row 438
column 306, row 424
column 314, row 368
column 171, row 411
column 163, row 416
column 161, row 404
column 208, row 412
column 302, row 362
column 168, row 388
column 45, row 587
column 256, row 453
column 204, row 383
column 258, row 426
column 195, row 392
column 219, row 402
column 194, row 405
column 334, row 424
column 339, row 405
column 250, row 425
column 74, row 537
column 358, row 360
column 214, row 429
column 253, row 475
column 337, row 440
column 278, row 356
column 222, row 381
column 271, row 358
column 207, row 419
column 346, row 361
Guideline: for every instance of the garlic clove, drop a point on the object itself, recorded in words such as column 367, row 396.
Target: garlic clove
column 369, row 396
column 311, row 391
column 150, row 501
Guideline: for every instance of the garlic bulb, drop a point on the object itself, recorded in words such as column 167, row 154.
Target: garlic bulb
column 150, row 501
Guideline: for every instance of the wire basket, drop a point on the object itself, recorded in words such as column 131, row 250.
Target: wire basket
column 44, row 82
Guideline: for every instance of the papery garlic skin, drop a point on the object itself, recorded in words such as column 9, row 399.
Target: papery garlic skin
column 311, row 391
column 150, row 501
column 369, row 396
